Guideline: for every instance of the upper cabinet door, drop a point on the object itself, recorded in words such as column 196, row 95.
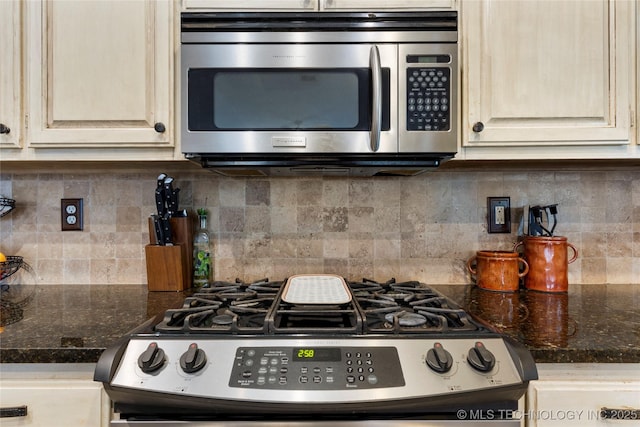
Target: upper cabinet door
column 100, row 73
column 374, row 5
column 252, row 5
column 10, row 74
column 546, row 73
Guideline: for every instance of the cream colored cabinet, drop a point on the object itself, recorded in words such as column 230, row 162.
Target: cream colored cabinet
column 52, row 399
column 576, row 394
column 365, row 5
column 315, row 5
column 547, row 74
column 100, row 75
column 251, row 5
column 10, row 75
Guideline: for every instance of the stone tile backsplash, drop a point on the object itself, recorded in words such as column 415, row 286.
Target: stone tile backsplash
column 423, row 227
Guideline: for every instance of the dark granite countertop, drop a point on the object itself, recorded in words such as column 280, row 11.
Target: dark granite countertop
column 75, row 323
column 589, row 324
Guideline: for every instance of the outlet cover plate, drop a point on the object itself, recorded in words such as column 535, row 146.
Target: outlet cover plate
column 499, row 214
column 71, row 214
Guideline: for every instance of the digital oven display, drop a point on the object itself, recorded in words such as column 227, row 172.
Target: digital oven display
column 317, row 354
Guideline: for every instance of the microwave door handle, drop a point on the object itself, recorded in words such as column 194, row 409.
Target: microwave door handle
column 376, row 97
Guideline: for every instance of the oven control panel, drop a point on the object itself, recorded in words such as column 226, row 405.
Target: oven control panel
column 316, row 368
column 311, row 369
column 428, row 98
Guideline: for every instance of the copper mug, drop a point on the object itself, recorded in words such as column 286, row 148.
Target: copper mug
column 497, row 270
column 548, row 259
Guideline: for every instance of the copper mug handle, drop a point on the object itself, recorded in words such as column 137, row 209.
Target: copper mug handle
column 515, row 247
column 575, row 253
column 526, row 267
column 526, row 264
column 469, row 262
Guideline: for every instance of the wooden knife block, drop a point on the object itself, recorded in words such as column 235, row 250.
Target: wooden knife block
column 169, row 267
column 166, row 268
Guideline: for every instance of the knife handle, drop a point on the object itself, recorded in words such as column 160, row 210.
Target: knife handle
column 173, row 201
column 158, row 229
column 160, row 201
column 170, row 195
column 167, row 238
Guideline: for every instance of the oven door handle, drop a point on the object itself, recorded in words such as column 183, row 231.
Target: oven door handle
column 376, row 97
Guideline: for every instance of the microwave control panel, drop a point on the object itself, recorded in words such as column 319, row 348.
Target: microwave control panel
column 428, row 98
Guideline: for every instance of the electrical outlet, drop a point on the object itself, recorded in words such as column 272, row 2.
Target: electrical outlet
column 71, row 214
column 499, row 214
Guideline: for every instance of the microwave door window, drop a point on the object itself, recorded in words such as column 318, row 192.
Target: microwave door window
column 283, row 99
column 274, row 100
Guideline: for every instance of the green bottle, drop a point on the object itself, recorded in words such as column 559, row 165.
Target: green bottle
column 202, row 260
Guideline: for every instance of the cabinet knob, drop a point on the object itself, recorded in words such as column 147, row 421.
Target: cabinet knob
column 4, row 128
column 160, row 127
column 478, row 127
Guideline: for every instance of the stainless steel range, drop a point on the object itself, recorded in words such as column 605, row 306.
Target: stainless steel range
column 315, row 349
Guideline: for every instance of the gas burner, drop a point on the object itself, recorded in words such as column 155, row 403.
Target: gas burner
column 225, row 321
column 406, row 319
column 222, row 319
column 407, row 322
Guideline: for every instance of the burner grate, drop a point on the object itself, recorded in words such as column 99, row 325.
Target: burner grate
column 376, row 308
column 224, row 308
column 408, row 308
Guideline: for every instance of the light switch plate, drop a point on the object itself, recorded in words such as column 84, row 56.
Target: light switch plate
column 72, row 217
column 499, row 214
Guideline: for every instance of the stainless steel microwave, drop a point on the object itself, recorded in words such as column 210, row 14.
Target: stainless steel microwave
column 329, row 93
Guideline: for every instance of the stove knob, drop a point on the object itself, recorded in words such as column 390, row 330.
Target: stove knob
column 439, row 359
column 193, row 359
column 152, row 359
column 480, row 358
